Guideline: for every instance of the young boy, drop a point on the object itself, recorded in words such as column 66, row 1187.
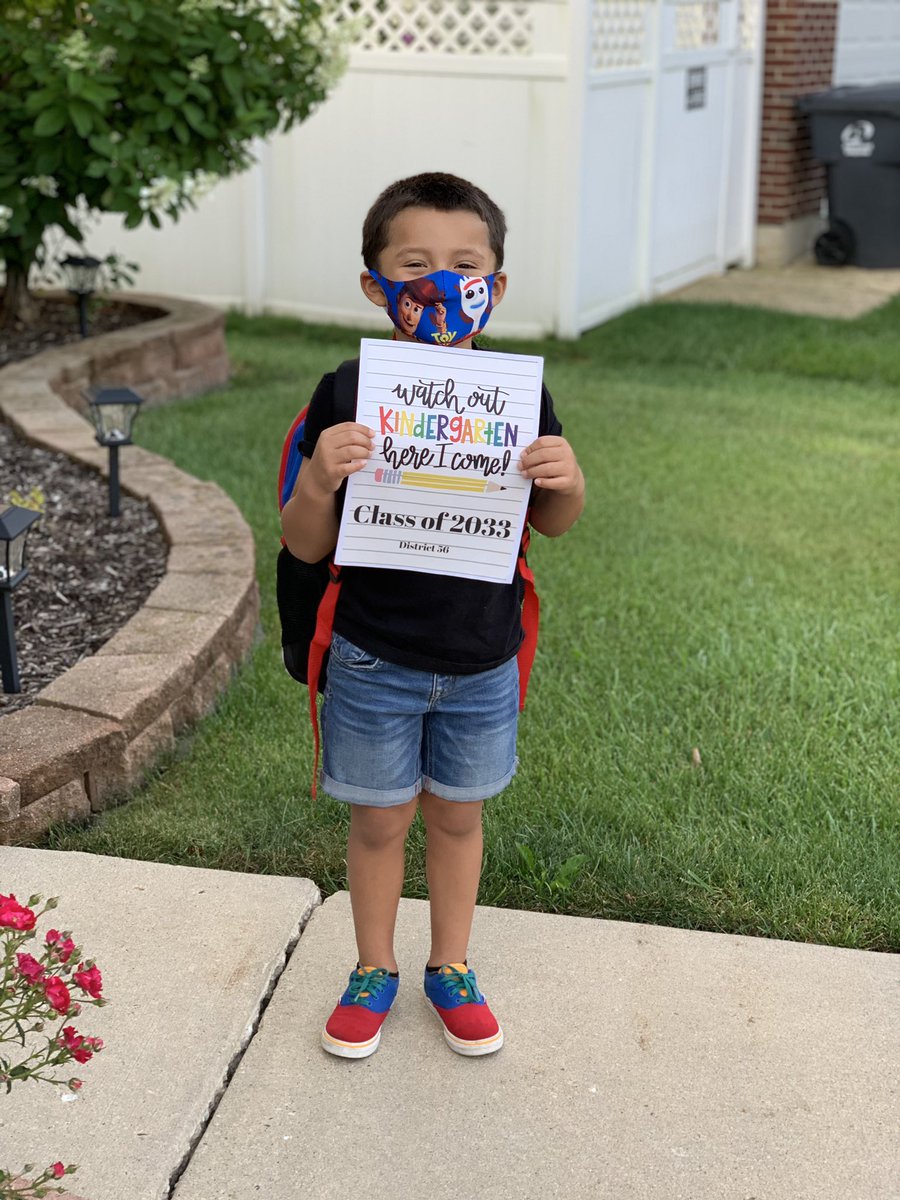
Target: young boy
column 428, row 661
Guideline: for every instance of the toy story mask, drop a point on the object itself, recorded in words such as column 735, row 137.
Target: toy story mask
column 441, row 309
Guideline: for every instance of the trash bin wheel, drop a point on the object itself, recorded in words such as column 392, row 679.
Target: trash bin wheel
column 834, row 248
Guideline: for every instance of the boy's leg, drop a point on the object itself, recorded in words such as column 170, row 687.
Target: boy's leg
column 375, row 867
column 453, row 869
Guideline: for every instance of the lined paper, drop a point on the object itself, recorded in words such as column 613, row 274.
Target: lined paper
column 442, row 492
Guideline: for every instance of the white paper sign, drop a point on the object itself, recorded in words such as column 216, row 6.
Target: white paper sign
column 442, row 492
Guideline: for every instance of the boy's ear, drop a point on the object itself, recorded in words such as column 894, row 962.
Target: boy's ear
column 498, row 291
column 372, row 289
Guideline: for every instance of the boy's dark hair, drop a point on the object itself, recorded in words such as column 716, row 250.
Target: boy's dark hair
column 447, row 193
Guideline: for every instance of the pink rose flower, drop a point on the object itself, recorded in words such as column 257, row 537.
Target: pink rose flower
column 82, row 1054
column 53, row 935
column 29, row 967
column 14, row 915
column 75, row 1085
column 89, row 981
column 57, row 993
column 58, row 1170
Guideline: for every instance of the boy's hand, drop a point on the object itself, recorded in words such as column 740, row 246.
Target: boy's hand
column 340, row 451
column 549, row 462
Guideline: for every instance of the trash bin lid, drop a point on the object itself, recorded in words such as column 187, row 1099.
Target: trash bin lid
column 870, row 98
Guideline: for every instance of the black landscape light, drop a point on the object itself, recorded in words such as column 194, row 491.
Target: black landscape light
column 113, row 411
column 14, row 525
column 81, row 282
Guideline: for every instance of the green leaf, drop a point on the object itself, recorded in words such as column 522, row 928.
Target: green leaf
column 82, row 117
column 227, row 50
column 164, row 119
column 49, row 123
column 527, row 856
column 233, row 80
column 40, row 99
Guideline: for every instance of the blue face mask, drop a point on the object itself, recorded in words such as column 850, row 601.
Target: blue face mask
column 442, row 309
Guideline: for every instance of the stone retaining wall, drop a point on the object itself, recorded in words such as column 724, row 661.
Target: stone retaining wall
column 92, row 734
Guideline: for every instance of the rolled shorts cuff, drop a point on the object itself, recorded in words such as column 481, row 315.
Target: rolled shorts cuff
column 349, row 793
column 467, row 795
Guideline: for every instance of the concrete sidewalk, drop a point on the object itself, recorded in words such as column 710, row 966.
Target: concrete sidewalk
column 801, row 287
column 640, row 1062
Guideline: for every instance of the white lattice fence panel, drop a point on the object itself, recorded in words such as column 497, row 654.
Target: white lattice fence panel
column 488, row 27
column 748, row 24
column 619, row 34
column 697, row 24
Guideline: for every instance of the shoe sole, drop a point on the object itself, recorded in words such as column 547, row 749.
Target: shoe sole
column 350, row 1049
column 461, row 1046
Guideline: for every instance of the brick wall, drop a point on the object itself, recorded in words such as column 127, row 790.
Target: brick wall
column 799, row 48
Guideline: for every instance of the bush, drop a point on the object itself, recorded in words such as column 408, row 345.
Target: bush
column 137, row 107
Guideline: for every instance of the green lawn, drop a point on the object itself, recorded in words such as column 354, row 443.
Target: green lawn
column 732, row 587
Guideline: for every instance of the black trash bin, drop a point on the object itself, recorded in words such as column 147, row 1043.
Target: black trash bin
column 856, row 133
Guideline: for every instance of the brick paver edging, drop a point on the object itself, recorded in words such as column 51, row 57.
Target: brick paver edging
column 93, row 733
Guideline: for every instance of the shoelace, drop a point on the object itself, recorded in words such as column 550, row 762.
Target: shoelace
column 364, row 985
column 462, row 984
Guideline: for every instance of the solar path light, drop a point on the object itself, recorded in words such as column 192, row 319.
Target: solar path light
column 15, row 523
column 81, row 282
column 113, row 411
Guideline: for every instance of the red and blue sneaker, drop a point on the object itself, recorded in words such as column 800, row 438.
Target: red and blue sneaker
column 469, row 1025
column 354, row 1028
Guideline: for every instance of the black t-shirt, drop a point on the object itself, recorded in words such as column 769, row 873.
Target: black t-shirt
column 438, row 623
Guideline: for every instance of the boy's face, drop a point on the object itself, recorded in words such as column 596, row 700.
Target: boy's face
column 424, row 240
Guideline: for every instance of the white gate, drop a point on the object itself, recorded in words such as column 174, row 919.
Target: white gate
column 707, row 139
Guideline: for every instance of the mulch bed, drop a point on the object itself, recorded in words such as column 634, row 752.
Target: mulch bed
column 89, row 572
column 57, row 325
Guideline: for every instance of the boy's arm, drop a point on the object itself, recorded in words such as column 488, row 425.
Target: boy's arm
column 558, row 498
column 309, row 520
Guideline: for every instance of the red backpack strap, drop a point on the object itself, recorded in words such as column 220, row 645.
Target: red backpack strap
column 531, row 617
column 318, row 648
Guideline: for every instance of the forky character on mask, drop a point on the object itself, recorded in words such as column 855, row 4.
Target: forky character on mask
column 474, row 293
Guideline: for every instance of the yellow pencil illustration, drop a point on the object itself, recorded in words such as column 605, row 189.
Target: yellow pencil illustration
column 442, row 483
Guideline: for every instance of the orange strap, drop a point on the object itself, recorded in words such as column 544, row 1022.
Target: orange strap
column 318, row 648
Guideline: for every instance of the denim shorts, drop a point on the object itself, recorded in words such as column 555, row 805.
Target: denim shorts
column 391, row 732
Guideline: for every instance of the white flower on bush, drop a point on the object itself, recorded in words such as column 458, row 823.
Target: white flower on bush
column 199, row 66
column 106, row 57
column 200, row 184
column 163, row 192
column 190, row 7
column 45, row 184
column 74, row 51
column 277, row 15
column 5, row 217
column 158, row 193
column 332, row 39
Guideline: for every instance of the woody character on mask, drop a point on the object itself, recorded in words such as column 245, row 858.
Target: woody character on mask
column 459, row 305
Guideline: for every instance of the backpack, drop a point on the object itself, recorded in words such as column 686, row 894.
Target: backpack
column 307, row 593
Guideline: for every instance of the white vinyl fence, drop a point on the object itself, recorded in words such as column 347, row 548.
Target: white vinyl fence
column 619, row 136
column 868, row 42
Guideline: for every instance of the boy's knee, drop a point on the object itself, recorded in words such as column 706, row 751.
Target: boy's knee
column 450, row 817
column 378, row 827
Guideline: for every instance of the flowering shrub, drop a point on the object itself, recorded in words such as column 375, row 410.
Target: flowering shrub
column 138, row 107
column 39, row 993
